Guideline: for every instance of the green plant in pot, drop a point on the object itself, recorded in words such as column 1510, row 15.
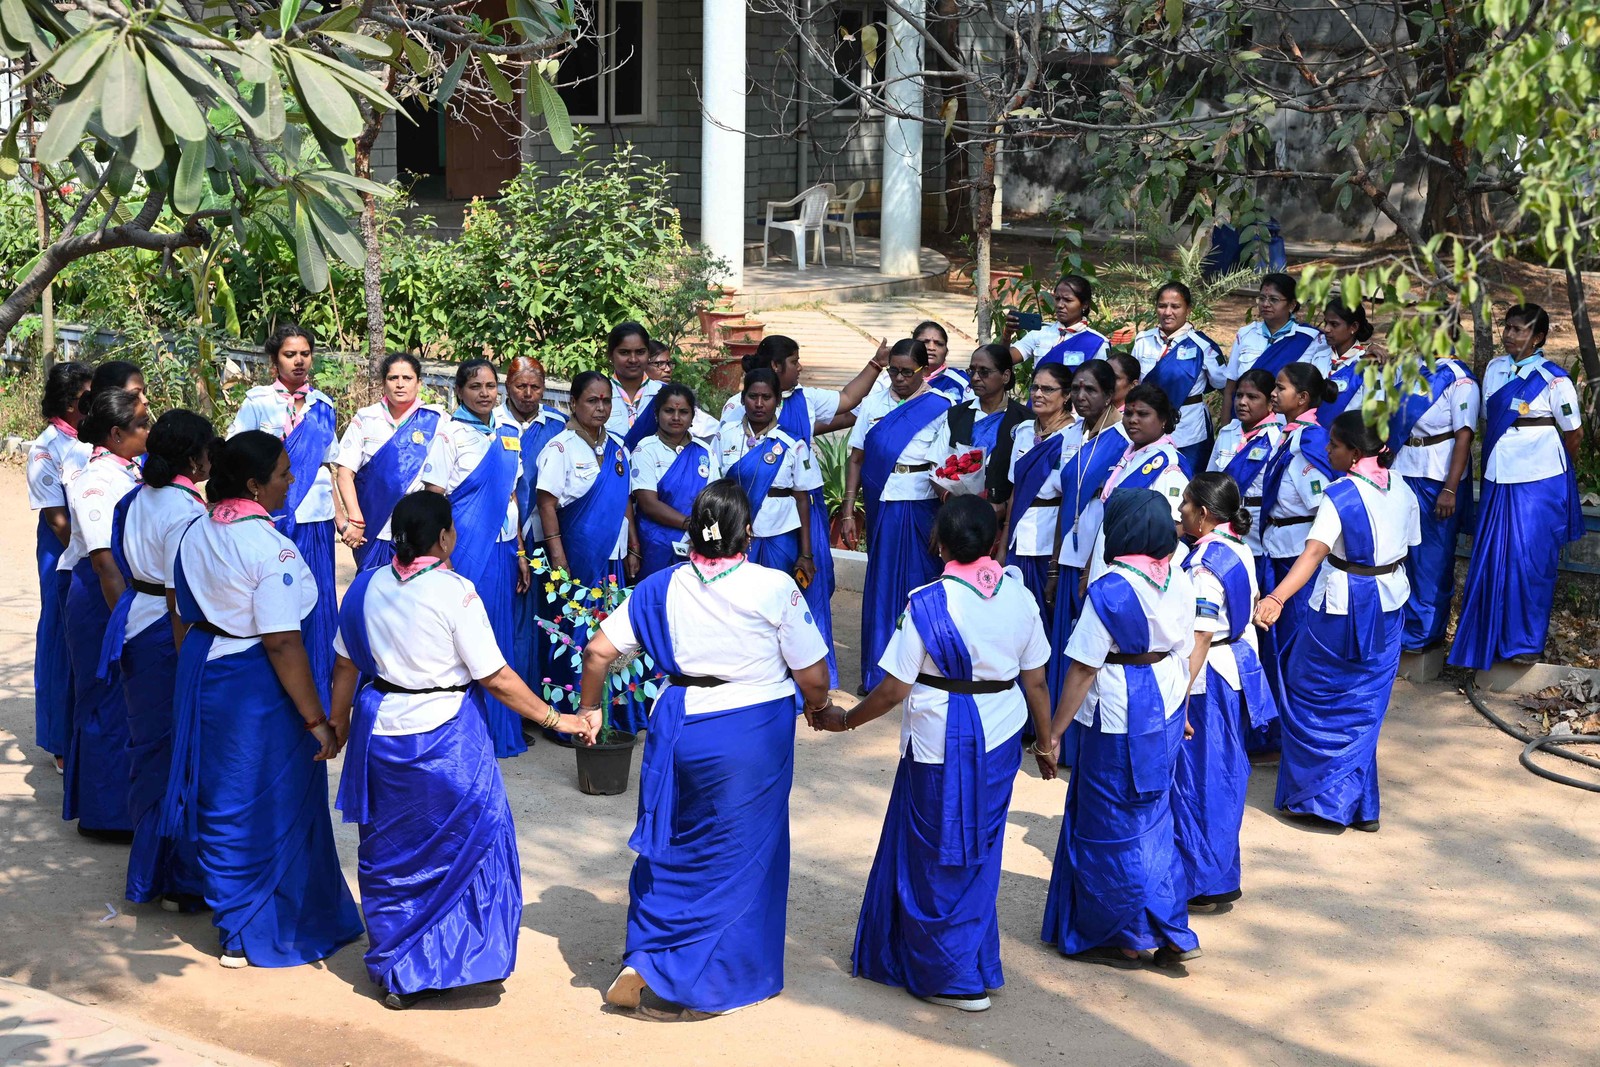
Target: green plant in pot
column 833, row 461
column 603, row 767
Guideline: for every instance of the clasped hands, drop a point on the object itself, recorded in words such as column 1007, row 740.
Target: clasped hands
column 830, row 718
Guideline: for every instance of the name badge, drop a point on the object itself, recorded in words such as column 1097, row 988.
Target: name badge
column 511, row 444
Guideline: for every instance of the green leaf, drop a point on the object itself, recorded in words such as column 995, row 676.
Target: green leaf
column 74, row 60
column 189, row 186
column 447, row 84
column 120, row 175
column 10, row 157
column 255, row 59
column 349, row 181
column 343, row 19
column 65, row 128
column 264, row 111
column 124, row 93
column 18, row 23
column 287, row 14
column 416, row 55
column 174, row 104
column 360, row 44
column 308, row 255
column 555, row 114
column 336, row 234
column 1173, row 13
column 497, row 80
column 336, row 149
column 323, row 97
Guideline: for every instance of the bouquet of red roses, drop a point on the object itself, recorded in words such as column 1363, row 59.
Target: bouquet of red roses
column 962, row 474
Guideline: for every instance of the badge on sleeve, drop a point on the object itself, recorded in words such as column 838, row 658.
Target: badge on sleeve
column 1258, row 452
column 1566, row 409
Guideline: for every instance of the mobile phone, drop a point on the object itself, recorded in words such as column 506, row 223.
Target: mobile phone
column 1028, row 321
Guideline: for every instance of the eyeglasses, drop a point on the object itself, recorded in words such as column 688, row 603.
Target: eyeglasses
column 1271, row 299
column 904, row 372
column 660, row 363
column 1048, row 390
column 982, row 372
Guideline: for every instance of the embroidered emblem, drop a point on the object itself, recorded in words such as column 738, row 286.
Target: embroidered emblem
column 87, row 493
column 467, row 600
column 705, row 468
column 416, row 437
column 794, row 598
column 1258, row 452
column 1316, row 486
column 286, row 555
column 39, row 457
column 94, row 516
column 1566, row 409
column 558, row 447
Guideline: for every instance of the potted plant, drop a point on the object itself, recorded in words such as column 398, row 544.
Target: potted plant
column 742, row 331
column 833, row 460
column 605, row 766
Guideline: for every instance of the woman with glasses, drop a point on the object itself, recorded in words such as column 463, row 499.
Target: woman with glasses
column 1275, row 339
column 1038, row 450
column 1530, row 498
column 891, row 457
column 705, row 425
column 988, row 421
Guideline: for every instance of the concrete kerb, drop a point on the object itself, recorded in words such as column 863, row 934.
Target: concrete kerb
column 1516, row 678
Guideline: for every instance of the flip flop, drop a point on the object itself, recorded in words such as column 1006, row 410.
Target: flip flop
column 1108, row 956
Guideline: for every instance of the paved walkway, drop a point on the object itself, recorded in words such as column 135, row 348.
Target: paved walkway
column 43, row 1030
column 837, row 338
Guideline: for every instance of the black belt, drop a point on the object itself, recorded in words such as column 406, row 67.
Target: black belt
column 383, row 685
column 1224, row 641
column 1052, row 502
column 1361, row 568
column 959, row 685
column 1546, row 420
column 779, row 493
column 215, row 631
column 1437, row 439
column 912, row 468
column 1293, row 520
column 1252, row 502
column 1194, row 400
column 1130, row 659
column 149, row 588
column 695, row 681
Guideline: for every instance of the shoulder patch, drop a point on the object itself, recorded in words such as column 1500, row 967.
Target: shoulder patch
column 286, row 555
column 288, row 579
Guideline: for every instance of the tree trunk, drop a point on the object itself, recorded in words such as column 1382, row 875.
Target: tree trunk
column 982, row 202
column 372, row 268
column 946, row 27
column 1582, row 327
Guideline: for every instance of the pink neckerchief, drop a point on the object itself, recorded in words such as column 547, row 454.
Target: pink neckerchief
column 396, row 420
column 291, row 396
column 64, row 428
column 187, row 486
column 982, row 574
column 1077, row 327
column 1246, row 436
column 1128, row 456
column 1369, row 468
column 1221, row 533
column 1157, row 570
column 407, row 571
column 237, row 509
column 1308, row 417
column 129, row 467
column 709, row 570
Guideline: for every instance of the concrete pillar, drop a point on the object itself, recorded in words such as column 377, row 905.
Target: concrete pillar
column 722, row 143
column 901, row 239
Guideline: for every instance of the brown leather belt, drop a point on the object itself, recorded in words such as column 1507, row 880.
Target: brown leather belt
column 1431, row 439
column 149, row 588
column 383, row 685
column 1142, row 659
column 1052, row 502
column 1546, row 420
column 1361, row 568
column 1195, row 400
column 959, row 685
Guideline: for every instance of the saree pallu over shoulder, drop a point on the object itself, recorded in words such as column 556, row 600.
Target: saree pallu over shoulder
column 890, row 436
column 1122, row 614
column 678, row 487
column 95, row 782
column 1033, row 468
column 534, row 438
column 794, row 419
column 756, row 472
column 117, row 625
column 1503, row 408
column 384, row 479
column 1230, row 571
column 1177, row 370
column 1284, row 351
column 590, row 524
column 479, row 506
column 307, row 445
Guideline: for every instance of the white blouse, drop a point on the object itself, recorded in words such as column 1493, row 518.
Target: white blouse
column 425, row 631
column 1396, row 522
column 1170, row 483
column 624, row 411
column 1033, row 530
column 653, row 458
column 1169, row 613
column 1254, row 338
column 248, row 579
column 156, row 520
column 748, row 626
column 796, row 470
column 1457, row 409
column 92, row 495
column 1004, row 636
column 266, row 408
column 53, row 457
column 915, row 485
column 455, row 452
column 1037, row 344
column 1211, row 610
column 1531, row 453
column 1299, row 494
column 1230, row 439
column 369, row 430
column 1194, row 420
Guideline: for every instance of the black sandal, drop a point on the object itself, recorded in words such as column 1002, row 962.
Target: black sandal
column 1168, row 956
column 1107, row 956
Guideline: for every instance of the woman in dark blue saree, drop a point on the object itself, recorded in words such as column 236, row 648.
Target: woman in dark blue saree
column 441, row 883
column 250, row 739
column 669, row 469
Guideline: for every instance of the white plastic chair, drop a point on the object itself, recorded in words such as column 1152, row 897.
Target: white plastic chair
column 845, row 207
column 813, row 205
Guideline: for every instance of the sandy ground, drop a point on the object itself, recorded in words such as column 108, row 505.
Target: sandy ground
column 1463, row 933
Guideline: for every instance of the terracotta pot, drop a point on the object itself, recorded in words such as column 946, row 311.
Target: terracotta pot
column 1124, row 336
column 747, row 331
column 712, row 318
column 836, row 519
column 727, row 372
column 997, row 277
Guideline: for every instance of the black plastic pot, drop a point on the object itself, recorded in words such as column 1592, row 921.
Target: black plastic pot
column 603, row 769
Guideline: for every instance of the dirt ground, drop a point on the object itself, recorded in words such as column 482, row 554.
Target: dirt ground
column 1463, row 933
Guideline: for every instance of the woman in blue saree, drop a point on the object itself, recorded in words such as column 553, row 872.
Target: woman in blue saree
column 303, row 417
column 588, row 529
column 380, row 458
column 1346, row 653
column 1117, row 886
column 1037, row 450
column 526, row 412
column 54, row 455
column 143, row 637
column 969, row 663
column 988, row 422
column 95, row 792
column 669, row 470
column 891, row 457
column 250, row 738
column 709, row 892
column 441, row 883
column 476, row 463
column 778, row 474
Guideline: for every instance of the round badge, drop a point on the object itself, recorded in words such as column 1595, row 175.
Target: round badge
column 705, row 469
column 619, row 466
column 771, row 457
column 94, row 516
column 48, row 480
column 416, row 437
column 288, row 579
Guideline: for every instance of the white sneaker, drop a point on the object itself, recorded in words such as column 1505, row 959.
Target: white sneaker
column 625, row 989
column 978, row 1002
column 234, row 962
